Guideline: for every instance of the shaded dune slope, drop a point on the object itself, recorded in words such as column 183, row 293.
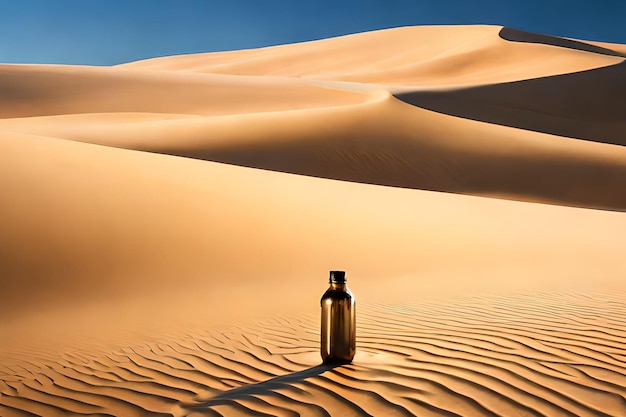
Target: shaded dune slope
column 585, row 105
column 612, row 46
column 539, row 354
column 517, row 35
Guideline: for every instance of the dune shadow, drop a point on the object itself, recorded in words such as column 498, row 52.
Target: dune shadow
column 589, row 105
column 267, row 387
column 516, row 35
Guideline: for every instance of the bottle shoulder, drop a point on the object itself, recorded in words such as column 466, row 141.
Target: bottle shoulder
column 337, row 295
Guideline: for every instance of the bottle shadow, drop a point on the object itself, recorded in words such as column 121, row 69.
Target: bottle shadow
column 267, row 387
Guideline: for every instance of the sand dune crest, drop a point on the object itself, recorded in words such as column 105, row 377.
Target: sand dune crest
column 516, row 35
column 404, row 56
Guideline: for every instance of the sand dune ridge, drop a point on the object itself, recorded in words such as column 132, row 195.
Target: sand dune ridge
column 517, row 35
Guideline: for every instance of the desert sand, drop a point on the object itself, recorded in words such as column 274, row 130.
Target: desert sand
column 168, row 226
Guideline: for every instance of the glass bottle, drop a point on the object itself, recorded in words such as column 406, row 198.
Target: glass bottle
column 338, row 329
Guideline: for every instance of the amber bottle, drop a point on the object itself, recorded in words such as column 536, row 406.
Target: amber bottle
column 338, row 329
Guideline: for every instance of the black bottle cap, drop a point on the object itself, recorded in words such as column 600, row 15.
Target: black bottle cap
column 337, row 277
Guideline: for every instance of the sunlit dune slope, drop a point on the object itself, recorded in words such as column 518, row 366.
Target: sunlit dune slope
column 85, row 223
column 417, row 56
column 41, row 90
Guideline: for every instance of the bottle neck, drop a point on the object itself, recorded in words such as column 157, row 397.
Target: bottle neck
column 335, row 286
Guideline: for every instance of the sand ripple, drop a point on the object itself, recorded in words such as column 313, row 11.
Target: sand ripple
column 531, row 355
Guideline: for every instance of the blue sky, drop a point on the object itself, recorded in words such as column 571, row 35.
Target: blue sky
column 104, row 32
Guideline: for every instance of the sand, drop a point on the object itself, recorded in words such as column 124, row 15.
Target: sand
column 168, row 226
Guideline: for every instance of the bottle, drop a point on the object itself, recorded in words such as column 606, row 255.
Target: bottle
column 338, row 330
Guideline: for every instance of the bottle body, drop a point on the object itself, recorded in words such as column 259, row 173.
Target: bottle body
column 338, row 326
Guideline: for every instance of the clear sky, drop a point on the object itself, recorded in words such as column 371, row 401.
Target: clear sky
column 104, row 32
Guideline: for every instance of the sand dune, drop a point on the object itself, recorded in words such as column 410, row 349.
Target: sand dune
column 158, row 256
column 416, row 56
column 383, row 141
column 321, row 126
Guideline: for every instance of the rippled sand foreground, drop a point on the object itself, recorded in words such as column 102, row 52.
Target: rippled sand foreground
column 538, row 354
